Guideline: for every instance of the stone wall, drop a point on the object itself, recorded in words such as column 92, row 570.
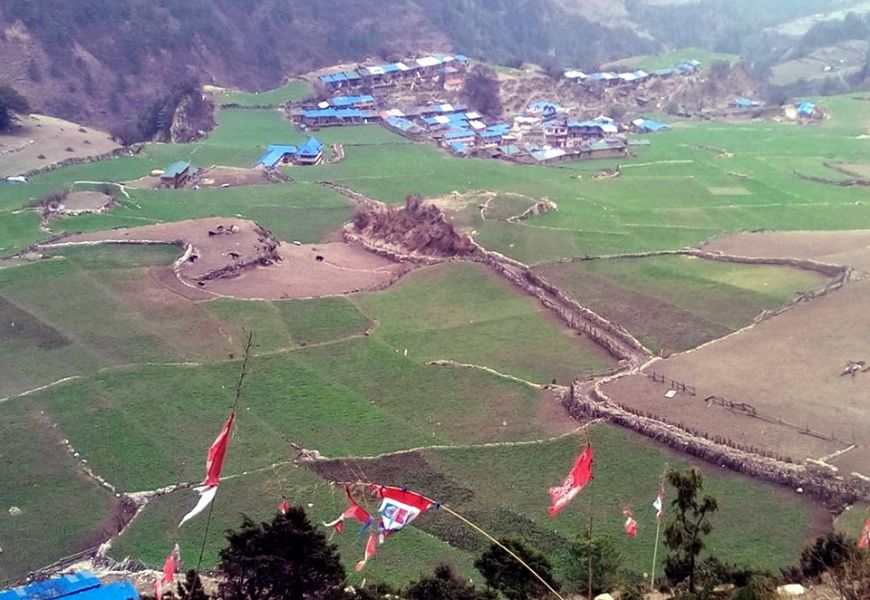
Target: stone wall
column 80, row 160
column 589, row 401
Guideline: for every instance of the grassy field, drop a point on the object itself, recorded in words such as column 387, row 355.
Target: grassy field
column 674, row 303
column 512, row 502
column 465, row 313
column 62, row 510
column 663, row 60
column 294, row 90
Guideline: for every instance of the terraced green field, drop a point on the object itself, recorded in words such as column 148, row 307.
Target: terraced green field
column 156, row 370
column 294, row 90
column 674, row 303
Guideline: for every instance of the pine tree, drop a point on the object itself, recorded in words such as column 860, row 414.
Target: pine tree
column 690, row 522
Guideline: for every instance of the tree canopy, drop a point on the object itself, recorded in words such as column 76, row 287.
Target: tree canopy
column 504, row 574
column 11, row 102
column 285, row 559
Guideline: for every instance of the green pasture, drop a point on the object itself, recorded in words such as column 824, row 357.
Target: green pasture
column 257, row 495
column 294, row 90
column 675, row 303
column 287, row 324
column 62, row 510
column 513, row 501
column 465, row 313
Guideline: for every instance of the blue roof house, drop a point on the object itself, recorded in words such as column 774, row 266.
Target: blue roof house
column 310, row 152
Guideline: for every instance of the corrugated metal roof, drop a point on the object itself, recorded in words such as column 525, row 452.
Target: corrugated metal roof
column 56, row 587
column 121, row 590
column 176, row 168
column 274, row 153
column 458, row 148
column 340, row 101
column 453, row 134
column 311, row 147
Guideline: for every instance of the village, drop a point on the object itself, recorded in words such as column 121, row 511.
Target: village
column 421, row 99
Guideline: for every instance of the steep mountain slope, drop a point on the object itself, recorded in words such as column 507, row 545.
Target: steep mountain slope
column 104, row 62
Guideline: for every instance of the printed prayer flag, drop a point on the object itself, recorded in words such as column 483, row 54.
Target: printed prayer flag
column 213, row 465
column 399, row 507
column 576, row 480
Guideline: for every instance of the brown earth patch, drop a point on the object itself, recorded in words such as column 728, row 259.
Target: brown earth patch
column 85, row 202
column 215, row 247
column 298, row 274
column 234, row 177
column 39, row 141
column 850, row 248
column 788, row 368
column 238, row 258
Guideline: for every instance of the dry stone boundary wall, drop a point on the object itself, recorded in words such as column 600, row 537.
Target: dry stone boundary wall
column 585, row 401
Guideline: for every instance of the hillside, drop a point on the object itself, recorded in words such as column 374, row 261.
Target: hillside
column 104, row 62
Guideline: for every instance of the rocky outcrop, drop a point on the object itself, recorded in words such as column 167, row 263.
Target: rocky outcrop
column 193, row 117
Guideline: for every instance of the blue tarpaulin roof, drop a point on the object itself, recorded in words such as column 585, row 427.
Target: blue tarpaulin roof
column 274, row 154
column 312, row 147
column 75, row 586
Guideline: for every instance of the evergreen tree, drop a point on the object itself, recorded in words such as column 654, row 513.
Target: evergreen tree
column 504, row 574
column 690, row 522
column 286, row 559
column 11, row 102
column 191, row 588
column 606, row 564
column 445, row 584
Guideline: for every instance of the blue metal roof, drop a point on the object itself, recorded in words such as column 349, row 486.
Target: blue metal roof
column 650, row 125
column 496, row 130
column 312, row 147
column 403, row 124
column 458, row 148
column 82, row 585
column 340, row 101
column 274, row 154
column 56, row 587
column 338, row 113
column 122, row 590
column 458, row 134
column 806, row 108
column 176, row 168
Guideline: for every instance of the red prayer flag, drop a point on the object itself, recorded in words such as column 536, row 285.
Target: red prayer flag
column 630, row 523
column 213, row 466
column 371, row 547
column 353, row 511
column 864, row 541
column 283, row 507
column 170, row 567
column 576, row 480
